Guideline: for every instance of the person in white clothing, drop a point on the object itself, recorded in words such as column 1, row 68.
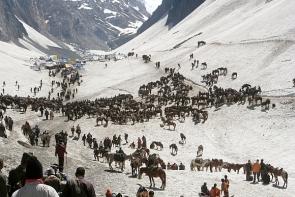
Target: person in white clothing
column 33, row 182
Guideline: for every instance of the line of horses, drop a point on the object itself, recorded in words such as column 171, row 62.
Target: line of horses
column 218, row 164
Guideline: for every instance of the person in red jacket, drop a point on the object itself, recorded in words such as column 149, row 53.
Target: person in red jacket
column 215, row 192
column 60, row 151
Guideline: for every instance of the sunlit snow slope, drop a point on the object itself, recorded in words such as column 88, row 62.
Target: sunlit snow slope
column 254, row 38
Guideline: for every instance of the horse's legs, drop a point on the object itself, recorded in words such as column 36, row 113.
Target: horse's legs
column 110, row 164
column 153, row 182
column 150, row 181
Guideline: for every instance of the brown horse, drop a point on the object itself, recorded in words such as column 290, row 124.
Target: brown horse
column 154, row 172
column 142, row 194
column 234, row 167
column 135, row 164
column 279, row 172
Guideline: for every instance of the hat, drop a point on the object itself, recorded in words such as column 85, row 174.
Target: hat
column 34, row 169
column 80, row 171
column 25, row 158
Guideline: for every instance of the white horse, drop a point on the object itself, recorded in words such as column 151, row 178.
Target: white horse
column 200, row 164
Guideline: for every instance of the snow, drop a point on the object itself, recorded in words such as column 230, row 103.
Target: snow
column 84, row 6
column 107, row 11
column 253, row 38
column 71, row 47
column 15, row 65
column 131, row 29
column 151, row 5
column 263, row 33
column 36, row 37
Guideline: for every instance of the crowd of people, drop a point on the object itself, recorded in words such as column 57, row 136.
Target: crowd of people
column 29, row 180
column 215, row 191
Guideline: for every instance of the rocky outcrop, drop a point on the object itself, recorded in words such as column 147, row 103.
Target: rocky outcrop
column 10, row 27
column 95, row 24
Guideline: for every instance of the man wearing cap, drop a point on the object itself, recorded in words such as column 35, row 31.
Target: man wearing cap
column 78, row 187
column 33, row 182
column 3, row 181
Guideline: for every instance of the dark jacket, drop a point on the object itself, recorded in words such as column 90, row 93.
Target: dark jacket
column 60, row 150
column 3, row 185
column 78, row 188
column 204, row 190
column 16, row 178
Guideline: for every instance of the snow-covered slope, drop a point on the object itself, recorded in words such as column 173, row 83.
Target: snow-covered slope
column 14, row 61
column 254, row 38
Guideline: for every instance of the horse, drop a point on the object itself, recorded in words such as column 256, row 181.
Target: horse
column 174, row 149
column 201, row 43
column 45, row 138
column 100, row 119
column 119, row 158
column 168, row 123
column 200, row 150
column 154, row 172
column 135, row 164
column 234, row 76
column 232, row 166
column 217, row 164
column 158, row 145
column 172, row 167
column 200, row 164
column 280, row 172
column 265, row 104
column 183, row 138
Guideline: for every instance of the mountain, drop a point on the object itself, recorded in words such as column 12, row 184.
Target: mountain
column 176, row 11
column 10, row 27
column 95, row 24
column 256, row 39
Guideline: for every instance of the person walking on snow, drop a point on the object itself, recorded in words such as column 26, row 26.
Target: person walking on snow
column 256, row 170
column 46, row 114
column 51, row 114
column 215, row 192
column 60, row 152
column 224, row 188
column 41, row 110
column 84, row 139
